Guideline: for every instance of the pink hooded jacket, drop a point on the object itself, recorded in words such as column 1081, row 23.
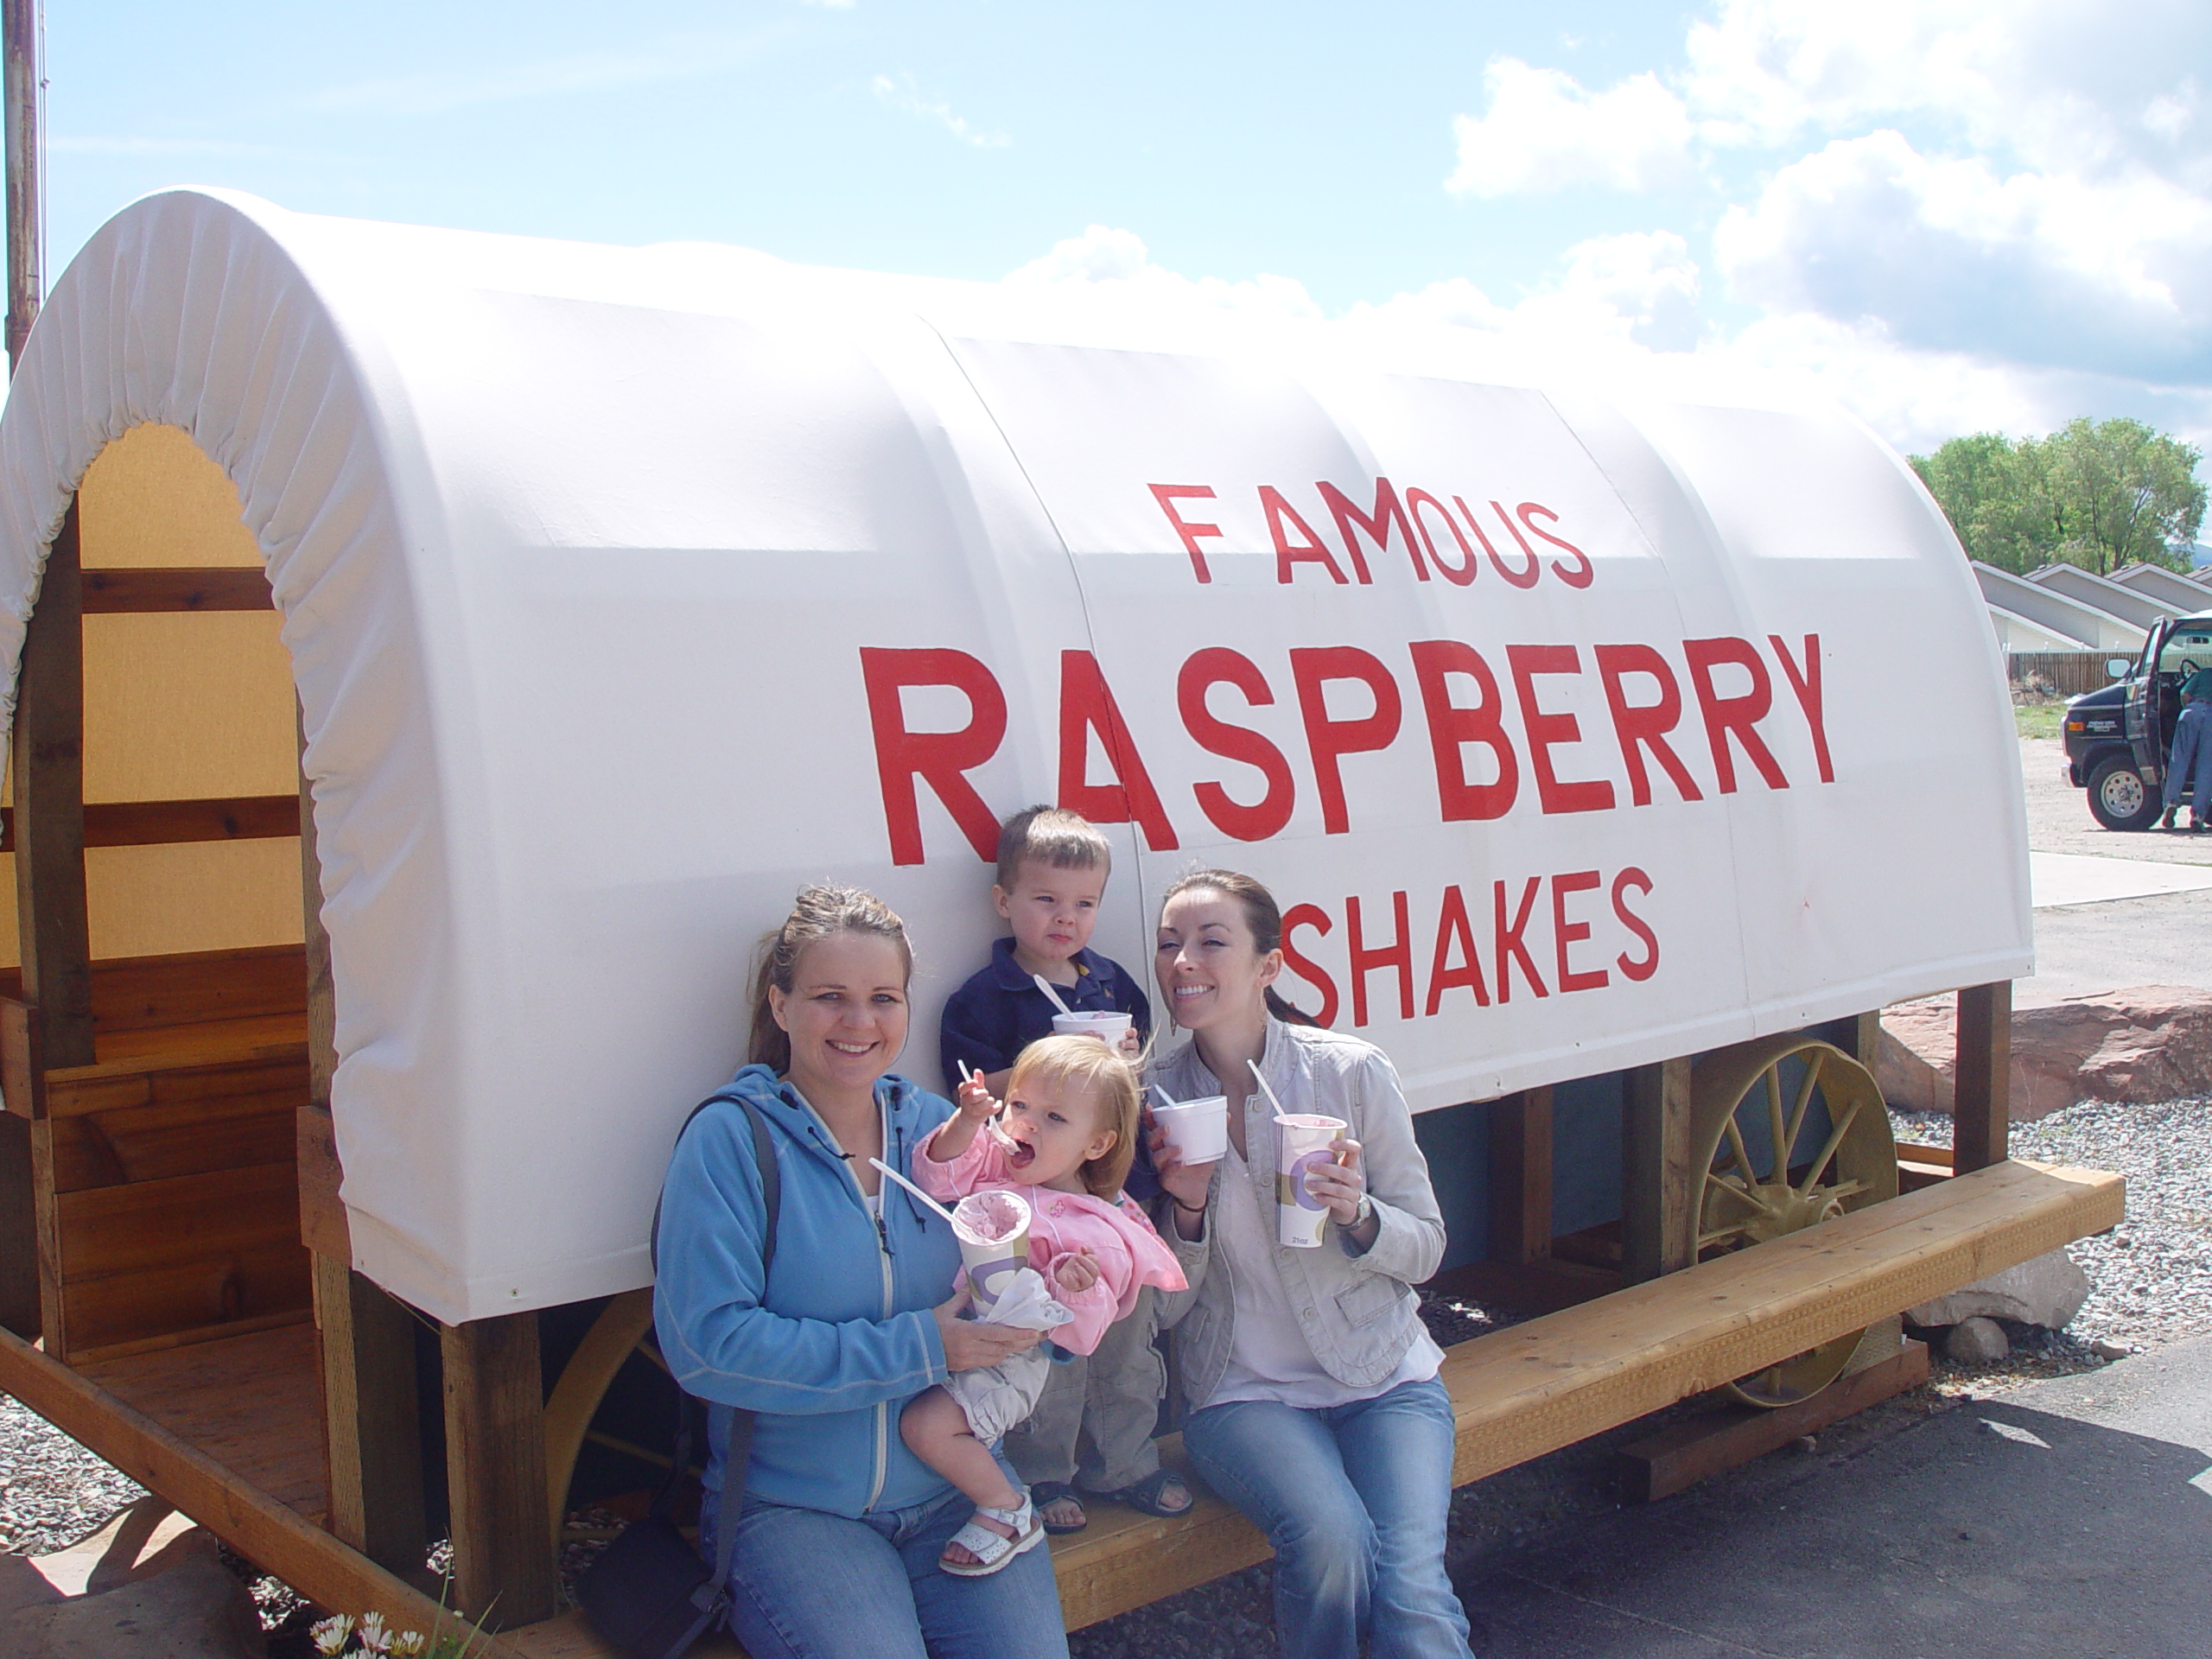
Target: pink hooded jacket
column 1130, row 1253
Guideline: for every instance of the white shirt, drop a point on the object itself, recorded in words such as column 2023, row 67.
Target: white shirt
column 1269, row 1357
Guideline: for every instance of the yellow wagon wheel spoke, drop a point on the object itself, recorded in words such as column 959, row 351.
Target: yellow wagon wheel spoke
column 1733, row 1190
column 1804, row 1102
column 1827, row 1149
column 1735, row 1146
column 1775, row 1127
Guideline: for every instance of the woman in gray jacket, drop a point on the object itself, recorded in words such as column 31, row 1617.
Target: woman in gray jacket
column 1311, row 1382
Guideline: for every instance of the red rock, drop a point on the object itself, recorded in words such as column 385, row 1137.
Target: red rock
column 2148, row 1043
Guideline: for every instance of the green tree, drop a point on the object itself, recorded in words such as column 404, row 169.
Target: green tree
column 2098, row 494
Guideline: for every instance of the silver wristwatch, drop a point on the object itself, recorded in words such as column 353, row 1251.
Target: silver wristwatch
column 1366, row 1208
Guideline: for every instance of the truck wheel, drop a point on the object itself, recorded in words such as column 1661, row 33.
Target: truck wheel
column 2118, row 798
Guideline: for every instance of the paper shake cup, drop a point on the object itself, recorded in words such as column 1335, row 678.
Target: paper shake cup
column 1302, row 1139
column 1197, row 1130
column 1108, row 1028
column 992, row 1228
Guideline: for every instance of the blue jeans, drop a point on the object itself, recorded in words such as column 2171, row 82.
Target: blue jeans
column 808, row 1585
column 1354, row 1498
column 2192, row 753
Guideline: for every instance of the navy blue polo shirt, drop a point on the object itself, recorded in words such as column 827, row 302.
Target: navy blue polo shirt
column 999, row 1011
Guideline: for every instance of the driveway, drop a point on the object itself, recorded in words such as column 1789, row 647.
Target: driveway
column 2106, row 945
column 2071, row 1517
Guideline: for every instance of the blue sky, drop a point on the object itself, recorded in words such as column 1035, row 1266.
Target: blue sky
column 1957, row 216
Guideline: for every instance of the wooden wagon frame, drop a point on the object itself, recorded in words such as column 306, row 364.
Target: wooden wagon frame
column 176, row 1286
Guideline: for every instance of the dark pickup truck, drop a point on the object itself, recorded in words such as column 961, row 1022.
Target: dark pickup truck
column 2117, row 739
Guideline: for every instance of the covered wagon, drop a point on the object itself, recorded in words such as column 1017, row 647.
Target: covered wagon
column 548, row 613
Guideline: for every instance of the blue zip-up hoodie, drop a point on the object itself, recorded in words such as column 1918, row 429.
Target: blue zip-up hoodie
column 843, row 1337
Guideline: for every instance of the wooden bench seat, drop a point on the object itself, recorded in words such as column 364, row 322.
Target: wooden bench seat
column 1534, row 1388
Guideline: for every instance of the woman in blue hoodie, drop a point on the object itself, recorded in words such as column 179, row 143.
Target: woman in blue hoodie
column 840, row 1526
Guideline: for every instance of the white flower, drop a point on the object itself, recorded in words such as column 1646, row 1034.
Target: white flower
column 330, row 1635
column 374, row 1638
column 406, row 1644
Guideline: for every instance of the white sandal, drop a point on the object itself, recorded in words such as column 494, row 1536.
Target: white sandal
column 993, row 1550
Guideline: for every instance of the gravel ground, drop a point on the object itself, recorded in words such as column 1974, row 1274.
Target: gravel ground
column 2150, row 1278
column 53, row 1492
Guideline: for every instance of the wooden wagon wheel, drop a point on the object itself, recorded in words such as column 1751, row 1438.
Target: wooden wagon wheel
column 621, row 1334
column 1826, row 1109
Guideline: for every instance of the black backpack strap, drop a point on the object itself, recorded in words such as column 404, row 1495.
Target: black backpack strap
column 739, row 1442
column 771, row 1181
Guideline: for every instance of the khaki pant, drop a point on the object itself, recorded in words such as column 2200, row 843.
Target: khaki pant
column 1104, row 1406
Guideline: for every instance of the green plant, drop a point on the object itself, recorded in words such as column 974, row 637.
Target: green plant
column 369, row 1636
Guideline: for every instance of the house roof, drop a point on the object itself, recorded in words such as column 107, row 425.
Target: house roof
column 2058, row 612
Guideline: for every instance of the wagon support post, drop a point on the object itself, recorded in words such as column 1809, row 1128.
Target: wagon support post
column 1521, row 1177
column 1659, row 1196
column 372, row 1432
column 1982, row 1078
column 47, row 771
column 495, row 1470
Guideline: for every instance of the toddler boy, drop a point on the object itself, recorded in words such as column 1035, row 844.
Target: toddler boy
column 1052, row 877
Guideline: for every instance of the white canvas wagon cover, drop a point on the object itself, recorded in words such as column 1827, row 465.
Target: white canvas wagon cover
column 626, row 590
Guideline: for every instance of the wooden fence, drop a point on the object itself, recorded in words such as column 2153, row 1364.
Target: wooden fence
column 2064, row 673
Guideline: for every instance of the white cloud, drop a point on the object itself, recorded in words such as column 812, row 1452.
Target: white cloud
column 1544, row 130
column 1621, row 308
column 1647, row 277
column 1115, row 262
column 1966, row 215
column 2170, row 115
column 2113, row 275
column 2056, row 83
column 1619, row 295
column 901, row 95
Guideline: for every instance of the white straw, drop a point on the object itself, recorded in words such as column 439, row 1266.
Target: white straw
column 1270, row 1093
column 912, row 1188
column 966, row 1075
column 1166, row 1098
column 1045, row 986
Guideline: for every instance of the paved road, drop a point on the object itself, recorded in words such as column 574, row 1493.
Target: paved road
column 2059, row 820
column 2082, row 949
column 2071, row 1517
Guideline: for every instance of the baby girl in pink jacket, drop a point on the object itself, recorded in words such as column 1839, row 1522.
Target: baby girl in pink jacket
column 1070, row 1129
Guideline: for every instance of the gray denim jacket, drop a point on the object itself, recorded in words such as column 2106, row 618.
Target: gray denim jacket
column 1357, row 1307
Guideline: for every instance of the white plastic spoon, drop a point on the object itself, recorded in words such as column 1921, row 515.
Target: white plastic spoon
column 912, row 1188
column 1045, row 986
column 1270, row 1093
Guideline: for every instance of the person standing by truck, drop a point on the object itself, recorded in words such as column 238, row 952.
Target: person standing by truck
column 2192, row 753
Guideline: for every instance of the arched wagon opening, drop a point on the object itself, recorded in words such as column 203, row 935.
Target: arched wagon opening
column 157, row 968
column 166, row 993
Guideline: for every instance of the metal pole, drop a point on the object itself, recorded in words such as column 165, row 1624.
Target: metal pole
column 19, row 42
